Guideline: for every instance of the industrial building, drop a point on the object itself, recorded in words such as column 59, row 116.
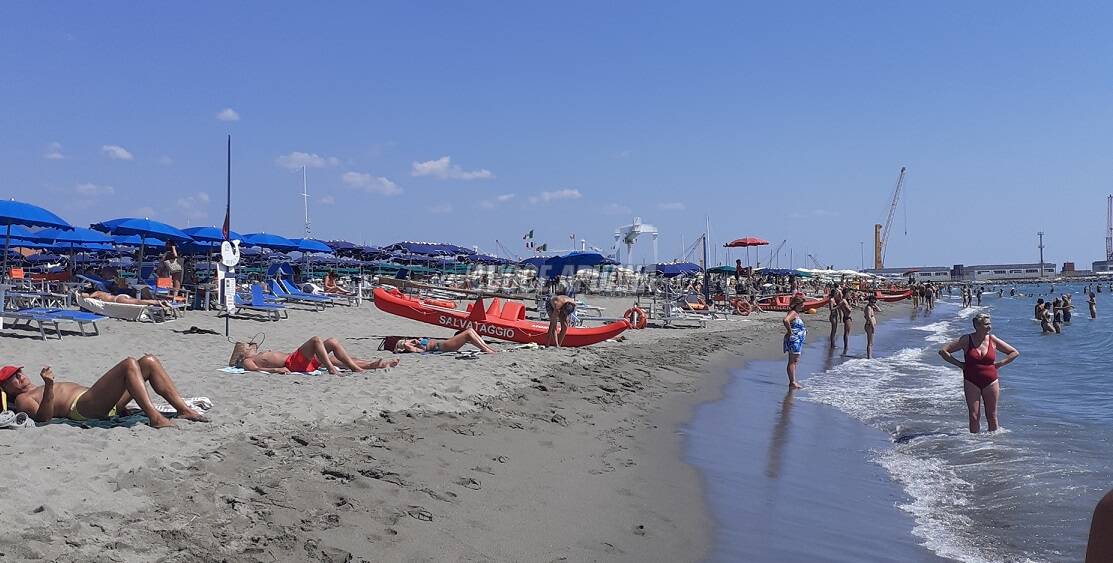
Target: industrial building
column 977, row 272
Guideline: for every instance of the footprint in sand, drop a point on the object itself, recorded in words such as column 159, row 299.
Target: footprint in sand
column 469, row 483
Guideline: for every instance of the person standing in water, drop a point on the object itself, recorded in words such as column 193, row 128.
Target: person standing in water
column 835, row 298
column 1067, row 308
column 1038, row 311
column 847, row 320
column 1057, row 319
column 1093, row 303
column 794, row 337
column 871, row 323
column 979, row 370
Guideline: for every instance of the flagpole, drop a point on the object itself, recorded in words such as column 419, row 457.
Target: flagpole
column 227, row 224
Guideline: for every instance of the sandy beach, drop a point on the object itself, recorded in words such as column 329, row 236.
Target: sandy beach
column 523, row 455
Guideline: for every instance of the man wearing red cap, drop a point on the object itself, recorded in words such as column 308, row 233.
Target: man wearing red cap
column 127, row 380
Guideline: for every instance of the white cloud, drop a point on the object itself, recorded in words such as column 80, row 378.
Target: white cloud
column 296, row 160
column 194, row 206
column 441, row 208
column 54, row 152
column 88, row 189
column 546, row 197
column 116, row 152
column 672, row 206
column 370, row 184
column 616, row 209
column 444, row 169
column 228, row 114
column 165, row 160
column 499, row 199
column 327, row 200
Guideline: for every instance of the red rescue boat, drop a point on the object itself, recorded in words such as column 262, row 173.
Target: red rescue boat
column 505, row 321
column 781, row 302
column 891, row 297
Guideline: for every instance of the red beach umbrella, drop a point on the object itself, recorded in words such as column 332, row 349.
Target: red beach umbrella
column 746, row 241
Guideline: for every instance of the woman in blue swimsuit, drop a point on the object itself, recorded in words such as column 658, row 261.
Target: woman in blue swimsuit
column 794, row 337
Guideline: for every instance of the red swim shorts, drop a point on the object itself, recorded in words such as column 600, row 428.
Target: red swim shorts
column 296, row 362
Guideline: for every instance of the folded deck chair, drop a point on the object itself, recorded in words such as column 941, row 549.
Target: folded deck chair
column 280, row 292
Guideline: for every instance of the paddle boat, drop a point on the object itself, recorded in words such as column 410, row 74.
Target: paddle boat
column 499, row 319
column 892, row 296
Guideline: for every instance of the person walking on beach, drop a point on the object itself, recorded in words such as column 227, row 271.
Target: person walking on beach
column 979, row 369
column 794, row 337
column 871, row 323
column 1092, row 302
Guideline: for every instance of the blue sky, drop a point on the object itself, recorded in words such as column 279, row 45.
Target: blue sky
column 470, row 122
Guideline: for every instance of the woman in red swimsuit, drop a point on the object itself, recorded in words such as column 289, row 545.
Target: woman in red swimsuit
column 979, row 369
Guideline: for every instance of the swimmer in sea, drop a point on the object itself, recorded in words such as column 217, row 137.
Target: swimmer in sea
column 979, row 370
column 1045, row 319
column 1093, row 304
column 1038, row 311
column 1067, row 308
column 1057, row 317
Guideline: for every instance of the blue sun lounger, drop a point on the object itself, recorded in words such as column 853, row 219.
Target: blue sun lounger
column 48, row 316
column 297, row 292
column 260, row 304
column 317, row 301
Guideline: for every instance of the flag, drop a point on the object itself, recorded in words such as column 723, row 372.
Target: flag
column 543, row 247
column 529, row 235
column 572, row 236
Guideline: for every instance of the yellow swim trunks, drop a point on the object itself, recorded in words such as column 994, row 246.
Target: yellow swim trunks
column 76, row 415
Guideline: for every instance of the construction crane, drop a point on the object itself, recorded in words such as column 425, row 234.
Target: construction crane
column 1108, row 228
column 815, row 262
column 776, row 253
column 881, row 232
column 507, row 252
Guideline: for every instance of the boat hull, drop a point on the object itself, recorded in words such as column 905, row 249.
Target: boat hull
column 893, row 297
column 781, row 303
column 488, row 321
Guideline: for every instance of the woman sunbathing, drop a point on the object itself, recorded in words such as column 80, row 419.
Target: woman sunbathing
column 315, row 353
column 107, row 397
column 125, row 299
column 419, row 345
column 331, row 287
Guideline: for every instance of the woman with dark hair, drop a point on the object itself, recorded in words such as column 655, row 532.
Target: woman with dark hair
column 794, row 337
column 171, row 267
column 979, row 369
column 847, row 312
column 834, row 297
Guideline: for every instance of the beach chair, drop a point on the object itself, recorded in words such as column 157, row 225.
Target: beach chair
column 122, row 311
column 98, row 283
column 260, row 304
column 297, row 292
column 314, row 300
column 43, row 316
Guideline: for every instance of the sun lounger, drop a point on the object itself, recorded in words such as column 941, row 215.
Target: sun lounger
column 123, row 311
column 260, row 304
column 280, row 292
column 297, row 292
column 42, row 317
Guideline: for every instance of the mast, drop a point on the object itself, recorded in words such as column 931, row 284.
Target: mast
column 305, row 199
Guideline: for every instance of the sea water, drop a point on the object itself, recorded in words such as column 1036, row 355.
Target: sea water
column 1024, row 493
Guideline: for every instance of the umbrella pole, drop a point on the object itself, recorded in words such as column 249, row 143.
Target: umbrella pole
column 7, row 242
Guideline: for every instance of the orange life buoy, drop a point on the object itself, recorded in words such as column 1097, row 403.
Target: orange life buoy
column 635, row 316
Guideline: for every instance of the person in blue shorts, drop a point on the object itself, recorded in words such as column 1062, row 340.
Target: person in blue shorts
column 794, row 337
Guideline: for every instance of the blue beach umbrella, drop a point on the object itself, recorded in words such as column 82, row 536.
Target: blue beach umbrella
column 18, row 213
column 210, row 234
column 311, row 245
column 267, row 240
column 143, row 227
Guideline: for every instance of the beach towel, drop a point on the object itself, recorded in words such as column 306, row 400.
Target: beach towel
column 199, row 404
column 230, row 369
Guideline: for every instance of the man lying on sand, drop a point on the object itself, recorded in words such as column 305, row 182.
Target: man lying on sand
column 105, row 399
column 466, row 336
column 306, row 359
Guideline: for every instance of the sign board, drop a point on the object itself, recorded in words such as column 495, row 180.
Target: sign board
column 229, row 293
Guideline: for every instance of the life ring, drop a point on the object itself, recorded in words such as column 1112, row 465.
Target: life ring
column 741, row 307
column 636, row 317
